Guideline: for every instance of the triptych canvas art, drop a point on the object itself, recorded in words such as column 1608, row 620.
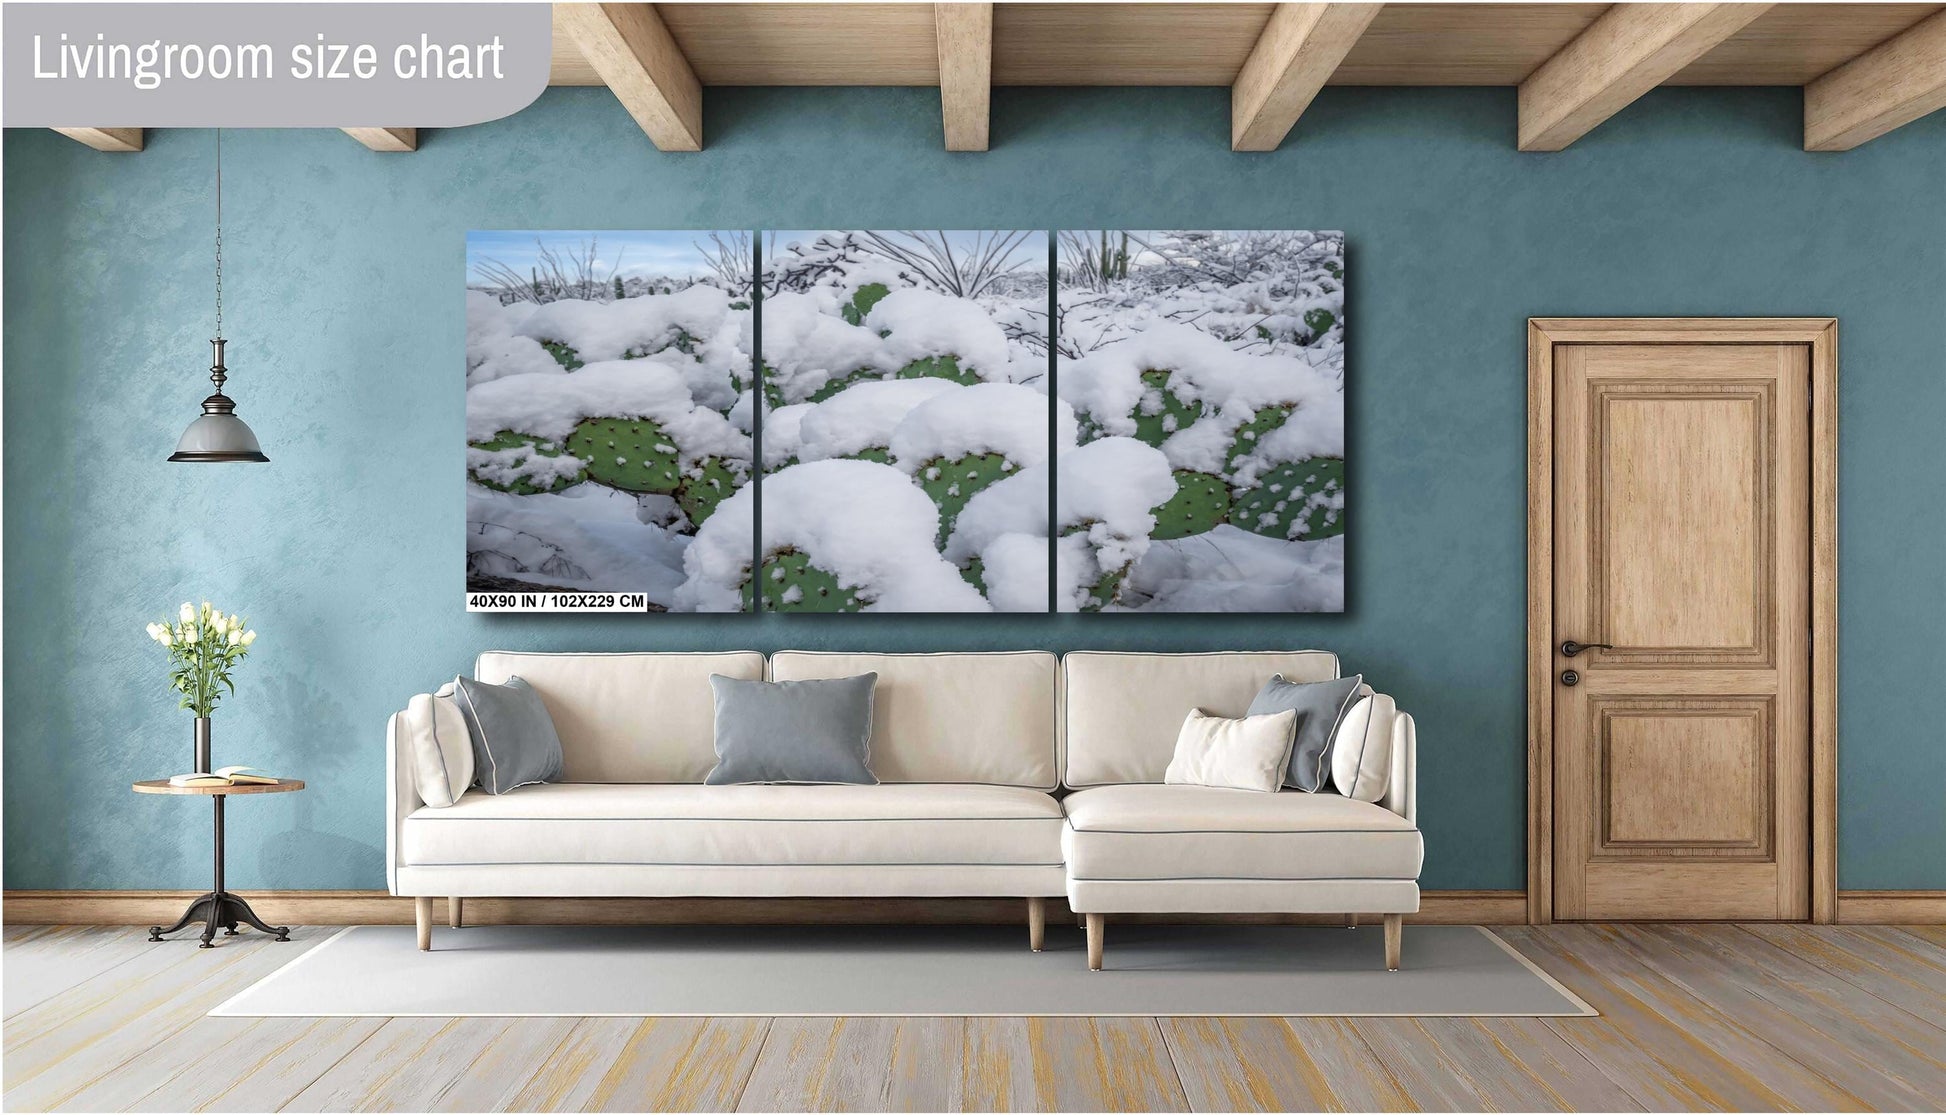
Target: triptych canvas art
column 906, row 421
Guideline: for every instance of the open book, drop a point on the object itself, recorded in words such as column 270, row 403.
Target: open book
column 228, row 776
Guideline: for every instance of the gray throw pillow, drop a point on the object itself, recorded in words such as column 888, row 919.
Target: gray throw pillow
column 1319, row 706
column 514, row 743
column 793, row 731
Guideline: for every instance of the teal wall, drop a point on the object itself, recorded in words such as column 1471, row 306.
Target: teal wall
column 346, row 329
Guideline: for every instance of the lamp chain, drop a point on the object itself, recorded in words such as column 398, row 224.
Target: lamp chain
column 217, row 372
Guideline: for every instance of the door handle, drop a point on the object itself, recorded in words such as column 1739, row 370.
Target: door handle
column 1571, row 648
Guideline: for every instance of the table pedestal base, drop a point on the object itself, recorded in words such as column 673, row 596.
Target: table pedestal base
column 224, row 909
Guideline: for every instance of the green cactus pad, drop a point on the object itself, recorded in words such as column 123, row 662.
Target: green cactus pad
column 563, row 355
column 1279, row 506
column 939, row 367
column 1201, row 503
column 974, row 573
column 1248, row 434
column 700, row 492
column 1104, row 591
column 1154, row 429
column 833, row 386
column 876, row 453
column 862, row 302
column 524, row 485
column 815, row 589
column 951, row 482
column 632, row 454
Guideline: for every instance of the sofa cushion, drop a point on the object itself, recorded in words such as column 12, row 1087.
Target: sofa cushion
column 986, row 718
column 1123, row 709
column 1196, row 832
column 1320, row 706
column 434, row 733
column 740, row 825
column 1238, row 753
column 1361, row 749
column 627, row 717
column 804, row 732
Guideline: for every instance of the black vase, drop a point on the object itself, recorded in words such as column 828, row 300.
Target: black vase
column 202, row 745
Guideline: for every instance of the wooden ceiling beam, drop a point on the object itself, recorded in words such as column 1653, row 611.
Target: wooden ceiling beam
column 1630, row 50
column 641, row 64
column 106, row 139
column 385, row 139
column 1297, row 53
column 1886, row 87
column 965, row 34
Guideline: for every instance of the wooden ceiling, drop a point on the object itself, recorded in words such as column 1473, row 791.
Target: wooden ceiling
column 1865, row 68
column 1206, row 44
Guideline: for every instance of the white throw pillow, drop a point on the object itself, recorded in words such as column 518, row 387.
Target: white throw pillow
column 1246, row 753
column 441, row 749
column 1361, row 752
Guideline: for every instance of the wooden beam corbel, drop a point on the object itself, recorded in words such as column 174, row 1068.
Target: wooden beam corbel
column 385, row 139
column 1297, row 53
column 106, row 139
column 1888, row 86
column 965, row 34
column 1629, row 50
column 640, row 62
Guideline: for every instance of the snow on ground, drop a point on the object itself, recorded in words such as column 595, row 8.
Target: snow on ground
column 1232, row 570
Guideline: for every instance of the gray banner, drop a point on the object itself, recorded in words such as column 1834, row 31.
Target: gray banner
column 271, row 65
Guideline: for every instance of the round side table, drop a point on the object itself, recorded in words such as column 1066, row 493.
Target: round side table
column 219, row 906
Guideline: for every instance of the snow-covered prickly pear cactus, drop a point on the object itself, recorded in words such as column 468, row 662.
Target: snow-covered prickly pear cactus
column 1201, row 504
column 1161, row 413
column 792, row 584
column 521, row 464
column 633, row 454
column 952, row 482
column 1297, row 500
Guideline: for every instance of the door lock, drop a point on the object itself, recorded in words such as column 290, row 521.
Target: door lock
column 1571, row 648
column 1570, row 677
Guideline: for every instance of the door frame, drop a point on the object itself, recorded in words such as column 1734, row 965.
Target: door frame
column 1821, row 334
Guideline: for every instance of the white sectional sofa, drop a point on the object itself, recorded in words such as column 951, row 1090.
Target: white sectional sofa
column 1012, row 774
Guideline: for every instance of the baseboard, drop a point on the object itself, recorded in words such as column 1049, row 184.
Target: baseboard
column 1892, row 907
column 374, row 907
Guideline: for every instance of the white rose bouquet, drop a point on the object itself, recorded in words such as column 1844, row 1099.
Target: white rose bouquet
column 204, row 646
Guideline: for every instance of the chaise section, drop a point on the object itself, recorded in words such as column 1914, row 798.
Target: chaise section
column 1147, row 833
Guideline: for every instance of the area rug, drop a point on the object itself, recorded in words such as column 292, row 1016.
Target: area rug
column 894, row 970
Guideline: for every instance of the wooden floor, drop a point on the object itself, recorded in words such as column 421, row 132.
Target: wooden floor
column 1718, row 1017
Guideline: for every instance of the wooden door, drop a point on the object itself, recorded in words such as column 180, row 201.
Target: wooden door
column 1682, row 536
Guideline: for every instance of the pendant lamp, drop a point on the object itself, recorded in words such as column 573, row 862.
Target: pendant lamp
column 219, row 435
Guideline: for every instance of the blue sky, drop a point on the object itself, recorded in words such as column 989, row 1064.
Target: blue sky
column 669, row 254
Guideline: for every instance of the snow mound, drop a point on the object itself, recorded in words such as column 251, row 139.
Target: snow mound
column 783, row 433
column 492, row 349
column 862, row 416
column 1107, row 492
column 1230, row 386
column 645, row 324
column 1004, row 527
column 1004, row 418
column 925, row 323
column 806, row 344
column 864, row 523
column 550, row 406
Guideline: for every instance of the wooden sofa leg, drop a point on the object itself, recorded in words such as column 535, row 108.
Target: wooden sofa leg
column 1351, row 921
column 455, row 909
column 422, row 906
column 1081, row 921
column 1096, row 923
column 1394, row 937
column 1036, row 923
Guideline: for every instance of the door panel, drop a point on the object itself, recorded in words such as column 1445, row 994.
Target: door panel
column 1681, row 781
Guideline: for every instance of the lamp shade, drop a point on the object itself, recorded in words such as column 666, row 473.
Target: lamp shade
column 218, row 436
